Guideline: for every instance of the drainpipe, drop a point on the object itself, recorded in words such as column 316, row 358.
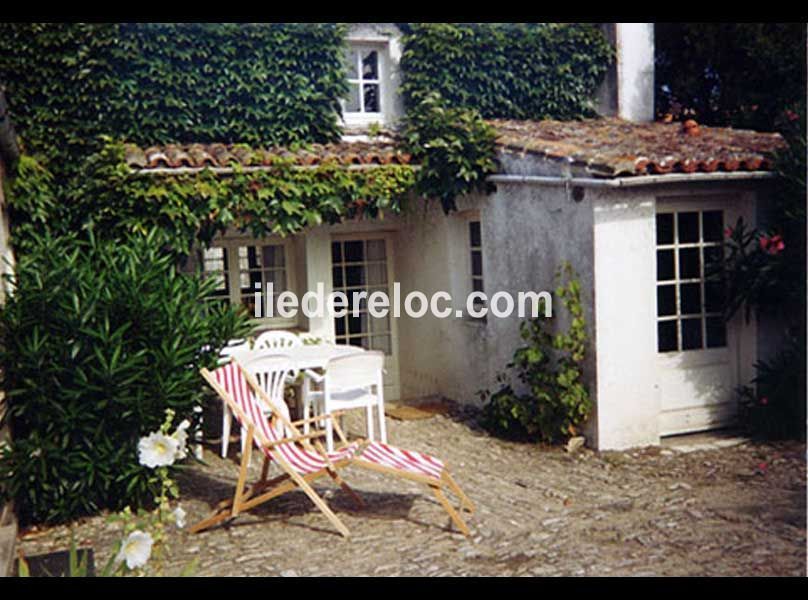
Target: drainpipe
column 627, row 182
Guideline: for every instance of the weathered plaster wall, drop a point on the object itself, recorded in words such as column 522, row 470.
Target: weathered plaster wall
column 635, row 71
column 526, row 232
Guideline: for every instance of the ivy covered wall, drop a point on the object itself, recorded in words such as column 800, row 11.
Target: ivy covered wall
column 155, row 83
column 507, row 70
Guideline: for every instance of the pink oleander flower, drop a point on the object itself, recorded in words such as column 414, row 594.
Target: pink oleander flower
column 764, row 401
column 728, row 232
column 773, row 245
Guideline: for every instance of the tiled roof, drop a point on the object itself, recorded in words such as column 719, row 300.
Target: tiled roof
column 609, row 147
column 347, row 153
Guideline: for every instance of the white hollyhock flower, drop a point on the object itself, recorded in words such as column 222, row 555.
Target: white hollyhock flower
column 136, row 549
column 179, row 517
column 181, row 435
column 157, row 450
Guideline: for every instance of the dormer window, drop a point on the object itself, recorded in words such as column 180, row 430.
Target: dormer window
column 365, row 65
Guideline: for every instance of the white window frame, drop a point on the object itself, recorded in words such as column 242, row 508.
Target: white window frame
column 382, row 48
column 678, row 280
column 392, row 330
column 232, row 244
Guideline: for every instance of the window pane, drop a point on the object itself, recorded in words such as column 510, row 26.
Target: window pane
column 691, row 334
column 664, row 229
column 666, row 300
column 377, row 273
column 336, row 252
column 476, row 263
column 713, row 257
column 350, row 64
column 689, row 267
column 354, row 276
column 370, row 64
column 358, row 324
column 380, row 325
column 713, row 296
column 666, row 332
column 688, row 227
column 273, row 256
column 336, row 272
column 477, row 286
column 352, row 99
column 713, row 225
column 339, row 325
column 716, row 332
column 690, row 298
column 665, row 265
column 354, row 251
column 376, row 250
column 371, row 91
column 475, row 234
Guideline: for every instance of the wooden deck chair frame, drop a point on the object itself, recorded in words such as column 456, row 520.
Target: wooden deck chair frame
column 437, row 486
column 265, row 489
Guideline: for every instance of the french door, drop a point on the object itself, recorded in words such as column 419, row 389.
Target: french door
column 364, row 263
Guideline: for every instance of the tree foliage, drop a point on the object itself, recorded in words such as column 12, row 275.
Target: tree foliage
column 738, row 74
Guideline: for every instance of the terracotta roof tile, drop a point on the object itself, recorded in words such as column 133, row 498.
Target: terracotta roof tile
column 611, row 147
column 348, row 153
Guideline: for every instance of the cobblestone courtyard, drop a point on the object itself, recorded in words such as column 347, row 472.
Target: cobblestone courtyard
column 730, row 511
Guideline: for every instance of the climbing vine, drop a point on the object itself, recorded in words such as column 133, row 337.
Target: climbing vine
column 506, row 70
column 113, row 200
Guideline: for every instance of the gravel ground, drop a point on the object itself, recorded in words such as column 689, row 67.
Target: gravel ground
column 540, row 511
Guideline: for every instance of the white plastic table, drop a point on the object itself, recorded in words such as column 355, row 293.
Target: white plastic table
column 314, row 356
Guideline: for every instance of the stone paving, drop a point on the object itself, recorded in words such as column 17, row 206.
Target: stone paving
column 736, row 510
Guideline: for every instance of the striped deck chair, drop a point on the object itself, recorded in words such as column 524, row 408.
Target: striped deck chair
column 300, row 456
column 303, row 458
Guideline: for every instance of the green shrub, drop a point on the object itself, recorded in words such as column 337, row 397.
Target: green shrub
column 506, row 70
column 98, row 339
column 550, row 367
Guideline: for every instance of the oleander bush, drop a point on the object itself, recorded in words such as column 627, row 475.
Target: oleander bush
column 98, row 339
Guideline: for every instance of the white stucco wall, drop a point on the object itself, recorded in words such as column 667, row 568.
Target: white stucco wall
column 627, row 406
column 635, row 71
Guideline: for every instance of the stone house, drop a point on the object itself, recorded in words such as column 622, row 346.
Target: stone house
column 636, row 207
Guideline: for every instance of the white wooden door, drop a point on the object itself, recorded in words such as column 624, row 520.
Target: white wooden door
column 701, row 359
column 364, row 262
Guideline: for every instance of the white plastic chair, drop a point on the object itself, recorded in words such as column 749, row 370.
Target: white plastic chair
column 353, row 381
column 276, row 340
column 269, row 340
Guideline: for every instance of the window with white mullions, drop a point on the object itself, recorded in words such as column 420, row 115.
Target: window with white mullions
column 241, row 268
column 689, row 301
column 476, row 249
column 360, row 265
column 363, row 64
column 258, row 266
column 214, row 266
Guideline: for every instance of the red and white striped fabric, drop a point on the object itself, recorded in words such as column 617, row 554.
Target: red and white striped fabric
column 303, row 461
column 402, row 460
